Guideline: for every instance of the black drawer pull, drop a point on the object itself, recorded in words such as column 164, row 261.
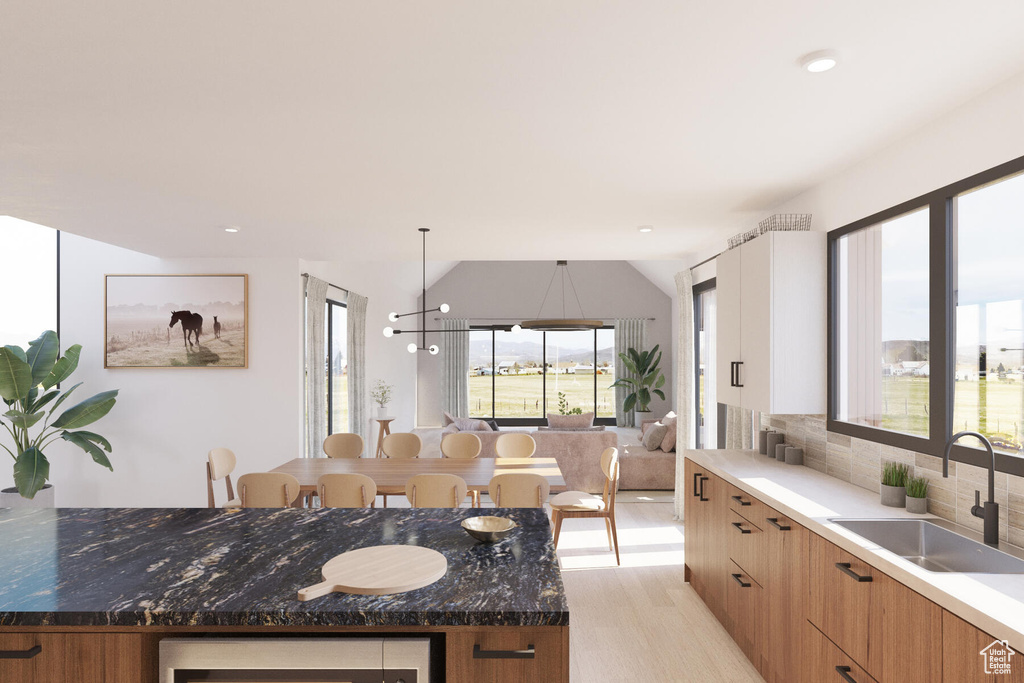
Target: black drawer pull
column 844, row 671
column 774, row 521
column 702, row 498
column 21, row 654
column 738, row 578
column 743, row 503
column 529, row 653
column 844, row 567
column 738, row 383
column 696, row 477
column 739, row 527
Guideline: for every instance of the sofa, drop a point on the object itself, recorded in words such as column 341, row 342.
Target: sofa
column 647, row 470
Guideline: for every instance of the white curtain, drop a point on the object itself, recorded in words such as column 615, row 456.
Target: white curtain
column 630, row 333
column 686, row 405
column 316, row 366
column 455, row 367
column 357, row 398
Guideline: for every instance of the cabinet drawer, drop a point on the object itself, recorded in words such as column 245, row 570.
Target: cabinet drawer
column 32, row 657
column 744, row 599
column 745, row 504
column 746, row 545
column 823, row 662
column 962, row 658
column 493, row 655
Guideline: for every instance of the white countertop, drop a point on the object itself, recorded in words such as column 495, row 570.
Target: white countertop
column 992, row 602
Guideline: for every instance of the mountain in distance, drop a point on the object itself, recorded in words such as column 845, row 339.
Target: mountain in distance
column 526, row 351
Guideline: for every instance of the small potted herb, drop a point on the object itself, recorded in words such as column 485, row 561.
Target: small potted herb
column 917, row 495
column 894, row 482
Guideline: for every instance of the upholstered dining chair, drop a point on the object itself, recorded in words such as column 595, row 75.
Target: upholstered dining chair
column 519, row 490
column 403, row 445
column 515, row 445
column 346, row 491
column 573, row 504
column 220, row 464
column 343, row 446
column 435, row 490
column 267, row 490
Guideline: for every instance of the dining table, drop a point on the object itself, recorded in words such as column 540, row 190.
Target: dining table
column 391, row 474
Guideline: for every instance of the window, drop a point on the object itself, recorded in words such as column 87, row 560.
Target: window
column 337, row 367
column 28, row 253
column 704, row 309
column 926, row 321
column 517, row 378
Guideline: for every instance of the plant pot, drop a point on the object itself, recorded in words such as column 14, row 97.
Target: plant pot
column 919, row 506
column 894, row 496
column 10, row 498
column 382, row 412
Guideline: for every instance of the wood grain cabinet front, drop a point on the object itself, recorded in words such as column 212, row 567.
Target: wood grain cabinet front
column 969, row 655
column 823, row 662
column 73, row 658
column 32, row 657
column 495, row 655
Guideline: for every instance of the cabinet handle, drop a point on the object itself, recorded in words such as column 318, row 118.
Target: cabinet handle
column 21, row 654
column 738, row 364
column 529, row 653
column 743, row 503
column 739, row 526
column 702, row 498
column 738, row 578
column 844, row 567
column 774, row 521
column 696, row 478
column 844, row 671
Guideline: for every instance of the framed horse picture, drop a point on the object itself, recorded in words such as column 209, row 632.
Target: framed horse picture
column 176, row 321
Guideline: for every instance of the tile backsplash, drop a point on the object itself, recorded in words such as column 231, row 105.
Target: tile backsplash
column 860, row 462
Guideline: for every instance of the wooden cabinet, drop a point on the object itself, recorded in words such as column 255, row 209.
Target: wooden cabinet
column 771, row 319
column 744, row 600
column 787, row 557
column 705, row 515
column 966, row 652
column 494, row 655
column 73, row 658
column 746, row 545
column 823, row 662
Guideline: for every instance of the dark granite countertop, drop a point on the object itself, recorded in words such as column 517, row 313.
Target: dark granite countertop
column 203, row 567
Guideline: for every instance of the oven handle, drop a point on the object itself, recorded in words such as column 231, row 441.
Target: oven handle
column 529, row 653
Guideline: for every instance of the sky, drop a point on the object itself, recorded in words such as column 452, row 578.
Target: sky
column 158, row 291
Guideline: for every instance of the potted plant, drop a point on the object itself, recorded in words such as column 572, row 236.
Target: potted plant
column 917, row 495
column 646, row 379
column 563, row 406
column 381, row 394
column 28, row 381
column 894, row 481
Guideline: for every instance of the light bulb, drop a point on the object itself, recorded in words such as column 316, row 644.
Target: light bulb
column 433, row 349
column 388, row 332
column 444, row 308
column 517, row 328
column 393, row 317
column 411, row 348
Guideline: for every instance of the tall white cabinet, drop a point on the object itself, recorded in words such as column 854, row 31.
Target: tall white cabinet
column 771, row 349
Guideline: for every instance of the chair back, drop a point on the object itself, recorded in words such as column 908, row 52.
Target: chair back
column 519, row 490
column 515, row 445
column 435, row 490
column 402, row 445
column 346, row 490
column 343, row 446
column 610, row 467
column 220, row 463
column 267, row 490
column 463, row 445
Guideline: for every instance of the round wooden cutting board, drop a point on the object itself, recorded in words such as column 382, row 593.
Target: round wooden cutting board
column 379, row 570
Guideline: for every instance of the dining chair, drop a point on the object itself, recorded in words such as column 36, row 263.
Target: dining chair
column 346, row 491
column 343, row 446
column 573, row 504
column 518, row 490
column 402, row 445
column 435, row 490
column 219, row 465
column 461, row 445
column 515, row 445
column 267, row 490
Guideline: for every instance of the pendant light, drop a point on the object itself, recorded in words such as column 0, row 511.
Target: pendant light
column 563, row 324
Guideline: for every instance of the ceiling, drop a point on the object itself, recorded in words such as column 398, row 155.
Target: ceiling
column 525, row 130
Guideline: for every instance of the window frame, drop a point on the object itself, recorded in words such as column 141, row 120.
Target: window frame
column 698, row 323
column 330, row 303
column 942, row 236
column 535, row 421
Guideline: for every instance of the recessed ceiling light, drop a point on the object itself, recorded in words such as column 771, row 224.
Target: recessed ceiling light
column 230, row 228
column 646, row 228
column 817, row 62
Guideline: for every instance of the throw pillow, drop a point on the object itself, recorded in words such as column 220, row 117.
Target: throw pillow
column 447, row 419
column 570, row 421
column 468, row 424
column 493, row 424
column 669, row 443
column 450, row 429
column 654, row 436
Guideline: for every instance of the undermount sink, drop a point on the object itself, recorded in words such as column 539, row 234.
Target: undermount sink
column 931, row 546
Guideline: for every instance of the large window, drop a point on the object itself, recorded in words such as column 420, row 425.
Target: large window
column 926, row 333
column 517, row 378
column 28, row 274
column 337, row 367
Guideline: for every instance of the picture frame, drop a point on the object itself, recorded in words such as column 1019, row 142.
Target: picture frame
column 176, row 321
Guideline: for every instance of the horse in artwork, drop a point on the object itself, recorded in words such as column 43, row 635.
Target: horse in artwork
column 216, row 327
column 191, row 324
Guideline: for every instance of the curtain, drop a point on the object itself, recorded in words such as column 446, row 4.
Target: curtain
column 686, row 404
column 455, row 367
column 739, row 428
column 316, row 366
column 630, row 333
column 357, row 398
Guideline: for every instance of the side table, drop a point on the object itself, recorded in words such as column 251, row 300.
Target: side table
column 385, row 429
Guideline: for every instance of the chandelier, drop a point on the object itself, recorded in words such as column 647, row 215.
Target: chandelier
column 563, row 324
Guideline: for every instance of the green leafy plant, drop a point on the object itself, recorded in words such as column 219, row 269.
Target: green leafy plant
column 917, row 487
column 27, row 385
column 563, row 406
column 895, row 474
column 381, row 393
column 645, row 378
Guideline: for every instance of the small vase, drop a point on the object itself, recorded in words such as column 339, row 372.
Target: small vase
column 772, row 440
column 894, row 496
column 382, row 412
column 10, row 498
column 919, row 506
column 780, row 451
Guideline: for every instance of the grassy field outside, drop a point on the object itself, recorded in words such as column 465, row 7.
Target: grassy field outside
column 523, row 395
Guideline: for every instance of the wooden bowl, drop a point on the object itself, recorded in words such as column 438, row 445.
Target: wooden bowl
column 488, row 529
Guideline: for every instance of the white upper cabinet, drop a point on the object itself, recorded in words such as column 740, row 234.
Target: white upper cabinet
column 772, row 324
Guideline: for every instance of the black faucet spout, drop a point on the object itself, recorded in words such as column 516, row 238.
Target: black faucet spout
column 990, row 510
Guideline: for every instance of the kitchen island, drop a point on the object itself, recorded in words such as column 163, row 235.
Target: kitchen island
column 112, row 583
